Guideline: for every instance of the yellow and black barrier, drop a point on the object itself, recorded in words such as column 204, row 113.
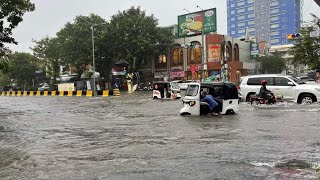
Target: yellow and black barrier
column 104, row 93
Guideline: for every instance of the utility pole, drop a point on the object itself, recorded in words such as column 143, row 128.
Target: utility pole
column 224, row 59
column 202, row 44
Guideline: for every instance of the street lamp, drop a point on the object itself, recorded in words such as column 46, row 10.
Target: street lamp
column 93, row 61
column 202, row 43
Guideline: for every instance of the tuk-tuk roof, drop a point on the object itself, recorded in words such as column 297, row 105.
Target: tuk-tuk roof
column 161, row 82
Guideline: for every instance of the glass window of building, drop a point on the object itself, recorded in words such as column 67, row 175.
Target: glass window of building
column 250, row 15
column 232, row 5
column 284, row 42
column 284, row 19
column 274, row 25
column 284, row 26
column 284, row 11
column 241, row 3
column 240, row 10
column 284, row 35
column 241, row 24
column 252, row 29
column 274, row 11
column 250, row 22
column 274, row 3
column 162, row 59
column 251, row 8
column 195, row 55
column 233, row 32
column 274, row 18
column 240, row 17
column 274, row 41
column 177, row 56
column 274, row 33
column 233, row 25
column 241, row 31
column 250, row 1
column 232, row 12
column 233, row 19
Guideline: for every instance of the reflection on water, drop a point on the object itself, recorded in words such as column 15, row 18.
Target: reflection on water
column 135, row 137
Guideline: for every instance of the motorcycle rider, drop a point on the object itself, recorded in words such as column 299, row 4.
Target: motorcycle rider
column 265, row 93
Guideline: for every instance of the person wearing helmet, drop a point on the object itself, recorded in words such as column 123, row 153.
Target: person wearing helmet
column 264, row 92
column 208, row 99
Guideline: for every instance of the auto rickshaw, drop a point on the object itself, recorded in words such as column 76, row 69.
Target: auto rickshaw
column 226, row 95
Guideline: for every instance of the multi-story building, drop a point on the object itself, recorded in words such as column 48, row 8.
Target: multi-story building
column 266, row 20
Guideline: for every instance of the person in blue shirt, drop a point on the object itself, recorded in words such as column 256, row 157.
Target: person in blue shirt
column 208, row 99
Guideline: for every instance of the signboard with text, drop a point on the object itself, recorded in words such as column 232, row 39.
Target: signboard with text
column 254, row 50
column 193, row 23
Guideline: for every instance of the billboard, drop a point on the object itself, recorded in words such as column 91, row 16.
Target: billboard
column 214, row 53
column 193, row 23
column 254, row 50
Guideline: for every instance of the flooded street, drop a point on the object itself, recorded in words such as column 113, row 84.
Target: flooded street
column 135, row 137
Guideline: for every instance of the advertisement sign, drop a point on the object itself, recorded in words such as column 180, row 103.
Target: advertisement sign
column 158, row 75
column 177, row 74
column 193, row 23
column 66, row 87
column 254, row 50
column 214, row 53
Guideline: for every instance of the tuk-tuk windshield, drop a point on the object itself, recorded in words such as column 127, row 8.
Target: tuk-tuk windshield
column 192, row 90
column 175, row 85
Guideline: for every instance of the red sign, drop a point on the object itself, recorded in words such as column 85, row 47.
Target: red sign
column 175, row 74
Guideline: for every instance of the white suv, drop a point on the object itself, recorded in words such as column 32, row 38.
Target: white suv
column 290, row 88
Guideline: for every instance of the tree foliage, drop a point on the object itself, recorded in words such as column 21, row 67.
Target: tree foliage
column 307, row 49
column 137, row 36
column 272, row 64
column 23, row 68
column 11, row 13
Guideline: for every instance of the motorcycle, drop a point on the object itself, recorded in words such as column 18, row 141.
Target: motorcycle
column 259, row 100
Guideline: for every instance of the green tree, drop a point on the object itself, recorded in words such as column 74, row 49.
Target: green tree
column 272, row 64
column 134, row 35
column 11, row 13
column 306, row 50
column 76, row 42
column 48, row 50
column 22, row 69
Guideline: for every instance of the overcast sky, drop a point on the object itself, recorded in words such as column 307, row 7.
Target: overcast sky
column 51, row 15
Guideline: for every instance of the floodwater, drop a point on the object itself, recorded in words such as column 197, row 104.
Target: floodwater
column 135, row 137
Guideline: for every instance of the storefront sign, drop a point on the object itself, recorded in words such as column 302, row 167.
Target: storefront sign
column 192, row 24
column 254, row 50
column 176, row 68
column 214, row 53
column 158, row 75
column 176, row 74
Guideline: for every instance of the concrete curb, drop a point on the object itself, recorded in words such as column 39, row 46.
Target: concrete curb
column 104, row 93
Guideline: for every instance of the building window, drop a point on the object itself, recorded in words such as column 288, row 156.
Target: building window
column 162, row 59
column 241, row 31
column 233, row 32
column 232, row 12
column 284, row 27
column 195, row 55
column 241, row 24
column 284, row 19
column 284, row 35
column 250, row 15
column 251, row 8
column 240, row 10
column 250, row 1
column 233, row 19
column 284, row 11
column 274, row 11
column 233, row 26
column 250, row 22
column 274, row 26
column 274, row 33
column 252, row 29
column 274, row 3
column 232, row 5
column 240, row 17
column 274, row 18
column 273, row 41
column 236, row 56
column 177, row 56
column 240, row 3
column 284, row 42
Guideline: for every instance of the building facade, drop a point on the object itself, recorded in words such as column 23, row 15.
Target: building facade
column 183, row 62
column 266, row 20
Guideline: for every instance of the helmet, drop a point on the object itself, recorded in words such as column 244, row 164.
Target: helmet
column 263, row 82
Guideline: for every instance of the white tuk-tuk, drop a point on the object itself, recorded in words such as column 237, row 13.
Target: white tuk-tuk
column 226, row 95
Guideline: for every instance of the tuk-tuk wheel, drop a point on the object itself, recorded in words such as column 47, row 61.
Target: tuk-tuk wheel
column 230, row 112
column 185, row 114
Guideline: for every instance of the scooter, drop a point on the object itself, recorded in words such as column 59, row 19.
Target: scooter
column 258, row 100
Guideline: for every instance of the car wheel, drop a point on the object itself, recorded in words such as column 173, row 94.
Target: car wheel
column 306, row 99
column 249, row 97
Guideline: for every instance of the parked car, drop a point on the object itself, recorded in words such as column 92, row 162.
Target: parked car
column 43, row 87
column 290, row 88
